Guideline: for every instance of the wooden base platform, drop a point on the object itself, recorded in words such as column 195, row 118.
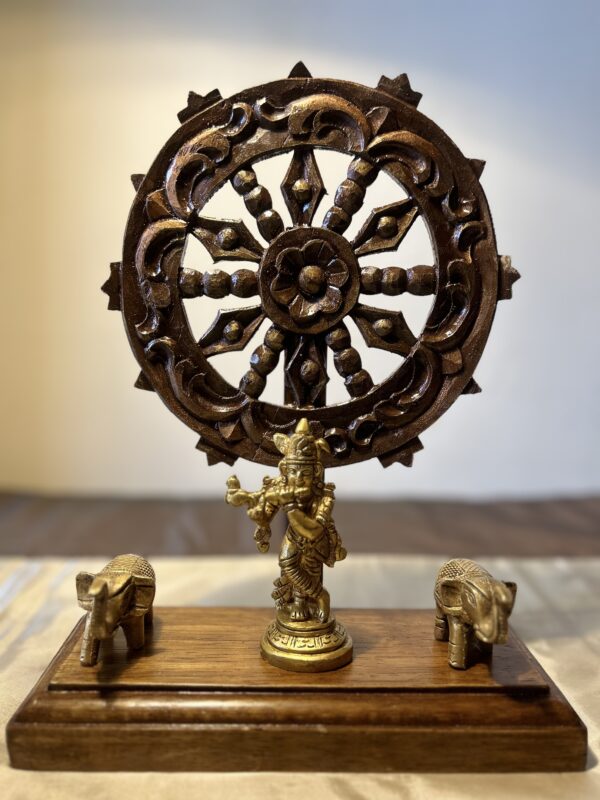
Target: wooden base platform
column 199, row 697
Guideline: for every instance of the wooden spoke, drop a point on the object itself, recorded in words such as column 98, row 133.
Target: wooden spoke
column 216, row 283
column 347, row 361
column 387, row 330
column 350, row 195
column 258, row 202
column 231, row 330
column 263, row 361
column 418, row 280
column 303, row 187
column 306, row 372
column 227, row 239
column 385, row 227
column 309, row 274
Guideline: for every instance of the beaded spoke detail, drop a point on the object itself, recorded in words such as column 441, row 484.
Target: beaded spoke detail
column 308, row 284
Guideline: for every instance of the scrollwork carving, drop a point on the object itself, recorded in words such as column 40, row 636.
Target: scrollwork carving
column 415, row 394
column 330, row 119
column 201, row 155
column 308, row 279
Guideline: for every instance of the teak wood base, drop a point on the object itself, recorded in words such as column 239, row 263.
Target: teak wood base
column 199, row 697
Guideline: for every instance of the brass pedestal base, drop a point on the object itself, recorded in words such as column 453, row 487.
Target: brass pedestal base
column 306, row 646
column 200, row 697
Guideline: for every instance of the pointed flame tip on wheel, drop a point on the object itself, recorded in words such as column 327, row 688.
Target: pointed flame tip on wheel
column 508, row 275
column 198, row 102
column 403, row 455
column 400, row 87
column 214, row 455
column 112, row 287
column 136, row 180
column 472, row 387
column 477, row 165
column 299, row 70
column 142, row 382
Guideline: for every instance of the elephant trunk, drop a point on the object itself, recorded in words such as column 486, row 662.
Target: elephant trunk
column 98, row 593
column 494, row 628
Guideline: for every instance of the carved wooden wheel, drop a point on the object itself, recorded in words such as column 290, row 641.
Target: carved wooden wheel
column 309, row 277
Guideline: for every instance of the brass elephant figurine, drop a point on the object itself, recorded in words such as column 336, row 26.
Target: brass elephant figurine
column 120, row 594
column 472, row 610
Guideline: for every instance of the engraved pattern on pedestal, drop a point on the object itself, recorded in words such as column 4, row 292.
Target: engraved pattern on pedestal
column 319, row 643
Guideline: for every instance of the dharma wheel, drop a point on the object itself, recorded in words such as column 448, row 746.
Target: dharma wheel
column 304, row 274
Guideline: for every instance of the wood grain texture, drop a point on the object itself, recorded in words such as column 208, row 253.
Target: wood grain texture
column 223, row 708
column 195, row 648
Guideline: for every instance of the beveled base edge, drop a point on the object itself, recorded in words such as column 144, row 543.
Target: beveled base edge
column 286, row 728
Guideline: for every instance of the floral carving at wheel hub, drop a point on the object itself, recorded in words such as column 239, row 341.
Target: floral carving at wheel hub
column 308, row 280
column 305, row 273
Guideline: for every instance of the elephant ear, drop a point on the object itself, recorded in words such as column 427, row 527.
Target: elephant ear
column 512, row 588
column 450, row 592
column 144, row 597
column 83, row 581
column 118, row 582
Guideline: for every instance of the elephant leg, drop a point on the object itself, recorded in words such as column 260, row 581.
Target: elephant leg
column 90, row 646
column 458, row 641
column 440, row 629
column 133, row 628
column 148, row 618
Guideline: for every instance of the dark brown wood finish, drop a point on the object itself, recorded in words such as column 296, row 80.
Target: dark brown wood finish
column 398, row 706
column 227, row 658
column 308, row 277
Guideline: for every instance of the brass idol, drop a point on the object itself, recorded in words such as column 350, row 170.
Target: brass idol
column 472, row 611
column 122, row 594
column 305, row 636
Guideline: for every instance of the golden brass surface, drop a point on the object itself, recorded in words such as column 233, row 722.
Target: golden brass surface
column 122, row 594
column 472, row 610
column 304, row 637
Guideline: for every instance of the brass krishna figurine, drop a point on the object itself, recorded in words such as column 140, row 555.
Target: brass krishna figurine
column 304, row 636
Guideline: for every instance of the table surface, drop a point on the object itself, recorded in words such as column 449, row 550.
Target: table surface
column 36, row 525
column 557, row 614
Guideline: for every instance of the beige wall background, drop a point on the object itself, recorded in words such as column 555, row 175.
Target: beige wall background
column 89, row 93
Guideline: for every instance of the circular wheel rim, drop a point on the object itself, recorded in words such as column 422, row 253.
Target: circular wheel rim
column 219, row 141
